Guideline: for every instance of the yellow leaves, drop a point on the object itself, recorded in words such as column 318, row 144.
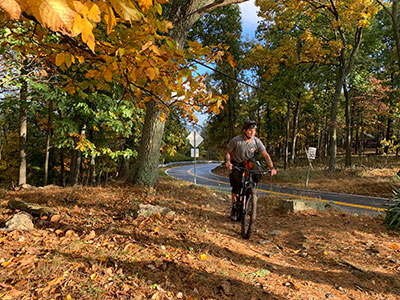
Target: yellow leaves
column 110, row 20
column 60, row 59
column 5, row 264
column 68, row 17
column 55, row 281
column 12, row 8
column 107, row 75
column 151, row 73
column 203, row 257
column 394, row 247
column 94, row 13
column 65, row 58
column 120, row 52
column 125, row 9
column 156, row 50
column 68, row 297
column 231, row 60
column 83, row 26
column 54, row 14
column 145, row 4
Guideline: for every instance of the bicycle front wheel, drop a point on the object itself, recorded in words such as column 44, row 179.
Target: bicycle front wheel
column 249, row 214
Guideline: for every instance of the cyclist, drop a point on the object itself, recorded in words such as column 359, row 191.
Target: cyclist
column 240, row 150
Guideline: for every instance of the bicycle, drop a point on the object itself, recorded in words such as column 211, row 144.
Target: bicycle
column 245, row 208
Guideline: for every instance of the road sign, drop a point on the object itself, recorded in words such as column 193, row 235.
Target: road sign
column 311, row 152
column 195, row 139
column 192, row 152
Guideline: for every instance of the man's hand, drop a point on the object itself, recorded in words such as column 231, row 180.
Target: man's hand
column 229, row 165
column 273, row 172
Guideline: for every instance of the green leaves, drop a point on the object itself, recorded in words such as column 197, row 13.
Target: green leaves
column 392, row 218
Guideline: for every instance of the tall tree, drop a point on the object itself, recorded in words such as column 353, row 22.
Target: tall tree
column 183, row 15
column 332, row 33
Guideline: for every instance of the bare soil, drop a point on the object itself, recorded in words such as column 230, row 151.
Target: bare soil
column 95, row 248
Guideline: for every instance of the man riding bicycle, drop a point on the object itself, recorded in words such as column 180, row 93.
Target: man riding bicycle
column 240, row 151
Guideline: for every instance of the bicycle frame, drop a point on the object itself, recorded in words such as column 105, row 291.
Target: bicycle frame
column 247, row 211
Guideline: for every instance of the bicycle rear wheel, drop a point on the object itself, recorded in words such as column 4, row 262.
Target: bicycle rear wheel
column 249, row 214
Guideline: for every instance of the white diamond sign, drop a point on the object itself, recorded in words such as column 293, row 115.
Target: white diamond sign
column 194, row 138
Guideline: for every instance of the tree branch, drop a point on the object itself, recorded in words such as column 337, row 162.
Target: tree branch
column 215, row 4
column 385, row 8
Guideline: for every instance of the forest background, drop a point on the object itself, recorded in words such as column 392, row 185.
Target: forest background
column 100, row 91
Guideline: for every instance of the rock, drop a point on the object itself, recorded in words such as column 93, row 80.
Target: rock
column 262, row 242
column 147, row 210
column 274, row 232
column 32, row 208
column 20, row 221
column 50, row 187
column 26, row 187
column 226, row 287
column 294, row 205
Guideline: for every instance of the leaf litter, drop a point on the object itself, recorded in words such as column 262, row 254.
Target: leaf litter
column 95, row 248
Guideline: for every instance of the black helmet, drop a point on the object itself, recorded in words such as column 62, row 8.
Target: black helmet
column 249, row 124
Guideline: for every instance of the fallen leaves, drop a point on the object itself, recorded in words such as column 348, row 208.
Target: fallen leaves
column 94, row 252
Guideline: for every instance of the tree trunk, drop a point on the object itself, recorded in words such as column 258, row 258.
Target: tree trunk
column 394, row 15
column 62, row 169
column 294, row 132
column 76, row 160
column 286, row 153
column 23, row 127
column 348, row 127
column 124, row 169
column 183, row 14
column 92, row 171
column 362, row 136
column 343, row 69
column 48, row 139
column 333, row 119
column 145, row 170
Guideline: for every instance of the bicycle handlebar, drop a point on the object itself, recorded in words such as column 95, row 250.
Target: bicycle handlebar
column 260, row 172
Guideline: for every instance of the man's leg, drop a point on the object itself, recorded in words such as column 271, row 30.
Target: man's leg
column 235, row 180
column 234, row 198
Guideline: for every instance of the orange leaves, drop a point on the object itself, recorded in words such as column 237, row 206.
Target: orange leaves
column 151, row 73
column 12, row 8
column 394, row 247
column 145, row 4
column 54, row 14
column 86, row 13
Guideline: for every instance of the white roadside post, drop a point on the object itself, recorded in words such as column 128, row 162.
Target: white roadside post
column 195, row 139
column 310, row 155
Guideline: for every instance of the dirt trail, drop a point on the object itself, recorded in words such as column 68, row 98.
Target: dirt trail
column 97, row 249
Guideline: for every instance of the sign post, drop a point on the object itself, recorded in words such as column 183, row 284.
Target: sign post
column 310, row 155
column 195, row 139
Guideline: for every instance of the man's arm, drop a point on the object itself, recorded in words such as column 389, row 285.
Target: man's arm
column 228, row 163
column 268, row 160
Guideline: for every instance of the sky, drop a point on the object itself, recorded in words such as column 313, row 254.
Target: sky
column 249, row 18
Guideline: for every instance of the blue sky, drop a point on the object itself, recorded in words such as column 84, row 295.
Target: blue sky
column 249, row 18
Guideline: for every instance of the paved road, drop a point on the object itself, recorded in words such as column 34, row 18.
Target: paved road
column 351, row 203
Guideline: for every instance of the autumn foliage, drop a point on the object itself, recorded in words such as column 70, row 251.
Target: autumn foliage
column 114, row 41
